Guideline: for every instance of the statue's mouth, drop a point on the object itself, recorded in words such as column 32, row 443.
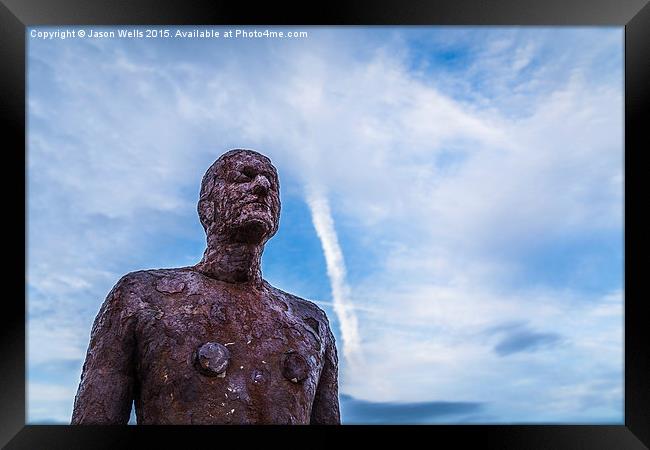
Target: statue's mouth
column 251, row 231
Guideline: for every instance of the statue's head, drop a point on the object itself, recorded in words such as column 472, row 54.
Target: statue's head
column 240, row 198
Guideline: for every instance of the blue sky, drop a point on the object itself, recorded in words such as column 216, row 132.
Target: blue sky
column 452, row 197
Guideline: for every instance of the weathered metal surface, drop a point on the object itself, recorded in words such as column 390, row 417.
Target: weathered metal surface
column 212, row 359
column 213, row 343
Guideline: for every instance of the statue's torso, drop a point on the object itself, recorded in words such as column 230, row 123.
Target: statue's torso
column 176, row 311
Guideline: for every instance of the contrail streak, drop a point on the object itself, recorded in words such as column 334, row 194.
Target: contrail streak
column 322, row 219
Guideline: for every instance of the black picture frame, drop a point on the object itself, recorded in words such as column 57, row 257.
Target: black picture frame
column 634, row 15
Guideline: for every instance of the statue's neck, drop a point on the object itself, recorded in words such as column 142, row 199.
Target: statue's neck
column 232, row 262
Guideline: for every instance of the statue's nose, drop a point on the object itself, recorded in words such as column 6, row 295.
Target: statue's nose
column 261, row 185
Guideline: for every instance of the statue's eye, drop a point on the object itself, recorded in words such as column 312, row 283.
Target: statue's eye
column 249, row 172
column 239, row 177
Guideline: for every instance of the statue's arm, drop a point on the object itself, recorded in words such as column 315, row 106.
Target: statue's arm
column 325, row 409
column 105, row 392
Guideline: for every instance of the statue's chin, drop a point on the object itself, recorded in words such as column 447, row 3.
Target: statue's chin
column 253, row 231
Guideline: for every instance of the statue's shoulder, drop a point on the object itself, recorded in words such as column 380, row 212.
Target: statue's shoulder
column 140, row 283
column 305, row 309
column 135, row 278
column 149, row 278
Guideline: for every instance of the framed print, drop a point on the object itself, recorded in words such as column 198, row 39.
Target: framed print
column 396, row 220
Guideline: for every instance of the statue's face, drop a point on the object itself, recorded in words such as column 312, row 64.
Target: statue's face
column 246, row 198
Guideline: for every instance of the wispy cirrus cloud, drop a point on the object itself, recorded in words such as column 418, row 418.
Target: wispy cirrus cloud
column 324, row 225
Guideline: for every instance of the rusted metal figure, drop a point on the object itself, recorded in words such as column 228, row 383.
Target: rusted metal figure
column 213, row 343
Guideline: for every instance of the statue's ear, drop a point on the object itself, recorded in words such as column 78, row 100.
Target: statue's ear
column 206, row 212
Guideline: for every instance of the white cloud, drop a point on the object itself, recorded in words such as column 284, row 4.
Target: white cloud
column 54, row 403
column 324, row 225
column 56, row 338
column 523, row 56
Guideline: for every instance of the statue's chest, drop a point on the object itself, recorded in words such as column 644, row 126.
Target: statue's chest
column 241, row 347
